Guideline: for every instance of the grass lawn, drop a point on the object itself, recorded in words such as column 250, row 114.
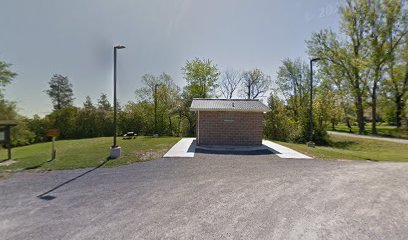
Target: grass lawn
column 85, row 153
column 382, row 130
column 352, row 148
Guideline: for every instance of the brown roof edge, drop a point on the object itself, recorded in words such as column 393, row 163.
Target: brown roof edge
column 8, row 122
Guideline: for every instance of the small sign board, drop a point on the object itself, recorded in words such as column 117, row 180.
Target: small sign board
column 54, row 132
column 5, row 138
column 4, row 135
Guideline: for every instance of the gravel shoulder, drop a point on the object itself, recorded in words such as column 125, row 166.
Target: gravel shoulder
column 210, row 196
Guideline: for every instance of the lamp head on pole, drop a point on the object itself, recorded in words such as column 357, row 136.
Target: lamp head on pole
column 315, row 59
column 119, row 47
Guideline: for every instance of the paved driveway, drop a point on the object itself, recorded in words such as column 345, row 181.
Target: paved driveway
column 210, row 197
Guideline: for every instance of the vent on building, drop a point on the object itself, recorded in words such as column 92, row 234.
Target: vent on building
column 229, row 116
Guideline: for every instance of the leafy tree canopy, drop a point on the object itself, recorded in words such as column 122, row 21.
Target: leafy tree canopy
column 60, row 92
column 202, row 76
column 6, row 76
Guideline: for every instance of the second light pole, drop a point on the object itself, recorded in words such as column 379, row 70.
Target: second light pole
column 115, row 150
column 311, row 143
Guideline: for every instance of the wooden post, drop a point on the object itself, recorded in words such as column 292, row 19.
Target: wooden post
column 53, row 153
column 8, row 141
column 54, row 133
column 9, row 151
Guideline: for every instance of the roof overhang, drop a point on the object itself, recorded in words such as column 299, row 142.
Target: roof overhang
column 8, row 123
column 228, row 105
column 225, row 110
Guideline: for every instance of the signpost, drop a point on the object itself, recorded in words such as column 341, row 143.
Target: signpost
column 54, row 133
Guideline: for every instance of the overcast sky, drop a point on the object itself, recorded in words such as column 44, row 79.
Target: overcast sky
column 76, row 38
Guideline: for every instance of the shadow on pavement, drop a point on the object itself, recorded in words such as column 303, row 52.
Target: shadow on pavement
column 192, row 147
column 46, row 196
column 232, row 152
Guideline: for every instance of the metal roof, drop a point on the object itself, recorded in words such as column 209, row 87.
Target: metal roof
column 8, row 122
column 238, row 105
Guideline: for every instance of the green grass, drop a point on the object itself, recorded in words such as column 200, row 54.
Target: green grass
column 382, row 130
column 84, row 153
column 352, row 148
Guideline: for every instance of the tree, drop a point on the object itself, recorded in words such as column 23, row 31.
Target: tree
column 333, row 77
column 396, row 86
column 350, row 53
column 88, row 103
column 134, row 118
column 20, row 134
column 377, row 53
column 60, row 92
column 6, row 76
column 65, row 120
column 397, row 66
column 185, row 111
column 103, row 103
column 7, row 110
column 86, row 120
column 38, row 126
column 278, row 124
column 293, row 83
column 149, row 81
column 163, row 94
column 104, row 116
column 202, row 76
column 327, row 105
column 230, row 81
column 386, row 33
column 255, row 84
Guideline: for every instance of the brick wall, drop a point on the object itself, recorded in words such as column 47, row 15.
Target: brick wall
column 230, row 128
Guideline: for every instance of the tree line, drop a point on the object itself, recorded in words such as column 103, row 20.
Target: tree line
column 161, row 106
column 367, row 59
column 362, row 76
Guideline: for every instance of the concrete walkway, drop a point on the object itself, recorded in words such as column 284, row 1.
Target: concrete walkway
column 184, row 148
column 396, row 140
column 282, row 151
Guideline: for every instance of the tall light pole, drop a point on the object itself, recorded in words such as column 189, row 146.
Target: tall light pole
column 115, row 150
column 311, row 143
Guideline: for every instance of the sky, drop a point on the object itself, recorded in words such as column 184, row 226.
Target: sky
column 75, row 38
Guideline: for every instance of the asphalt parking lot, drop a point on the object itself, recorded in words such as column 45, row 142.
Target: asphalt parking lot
column 210, row 196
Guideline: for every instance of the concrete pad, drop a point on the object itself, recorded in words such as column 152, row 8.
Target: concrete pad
column 184, row 148
column 282, row 151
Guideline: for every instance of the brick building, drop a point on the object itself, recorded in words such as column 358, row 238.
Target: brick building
column 229, row 121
